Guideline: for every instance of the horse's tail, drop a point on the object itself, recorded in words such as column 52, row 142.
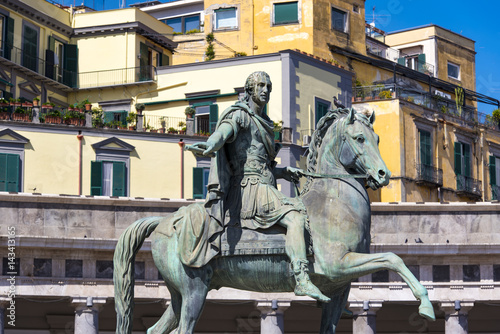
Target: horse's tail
column 123, row 274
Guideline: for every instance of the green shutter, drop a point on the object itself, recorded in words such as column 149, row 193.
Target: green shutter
column 119, row 178
column 493, row 172
column 144, row 62
column 287, row 12
column 197, row 182
column 402, row 61
column 109, row 116
column 96, row 178
column 467, row 160
column 421, row 62
column 9, row 172
column 213, row 117
column 30, row 48
column 123, row 118
column 458, row 158
column 425, row 148
column 164, row 60
column 321, row 110
column 9, row 37
column 52, row 43
column 70, row 65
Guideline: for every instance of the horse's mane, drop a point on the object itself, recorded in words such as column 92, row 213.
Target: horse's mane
column 317, row 137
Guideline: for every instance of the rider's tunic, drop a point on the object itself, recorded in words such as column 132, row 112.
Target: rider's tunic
column 253, row 198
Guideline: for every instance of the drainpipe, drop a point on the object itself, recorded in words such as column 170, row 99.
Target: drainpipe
column 181, row 145
column 80, row 145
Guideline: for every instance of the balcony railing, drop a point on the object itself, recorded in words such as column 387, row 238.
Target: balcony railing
column 495, row 192
column 39, row 65
column 468, row 186
column 164, row 123
column 116, row 77
column 429, row 175
column 434, row 102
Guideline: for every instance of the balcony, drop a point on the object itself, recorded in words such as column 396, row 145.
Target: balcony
column 465, row 114
column 122, row 76
column 467, row 186
column 429, row 175
column 39, row 68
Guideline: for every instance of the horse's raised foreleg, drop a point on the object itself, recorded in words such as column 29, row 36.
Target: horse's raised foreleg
column 358, row 264
column 332, row 311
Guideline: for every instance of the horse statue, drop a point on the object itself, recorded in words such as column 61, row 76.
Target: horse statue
column 343, row 159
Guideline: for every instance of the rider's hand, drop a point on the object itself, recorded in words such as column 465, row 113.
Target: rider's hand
column 292, row 174
column 206, row 147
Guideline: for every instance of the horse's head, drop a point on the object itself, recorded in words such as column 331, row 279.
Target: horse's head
column 358, row 149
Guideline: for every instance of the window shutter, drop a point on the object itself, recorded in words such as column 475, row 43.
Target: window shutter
column 52, row 43
column 467, row 159
column 493, row 171
column 49, row 64
column 164, row 60
column 425, row 148
column 286, row 12
column 458, row 158
column 96, row 178
column 123, row 117
column 13, row 163
column 213, row 117
column 108, row 116
column 9, row 37
column 70, row 65
column 197, row 182
column 402, row 61
column 30, row 47
column 119, row 181
column 421, row 62
column 144, row 62
column 321, row 110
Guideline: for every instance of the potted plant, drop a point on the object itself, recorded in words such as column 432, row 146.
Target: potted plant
column 21, row 114
column 496, row 117
column 189, row 112
column 4, row 102
column 97, row 117
column 86, row 103
column 27, row 104
column 172, row 130
column 48, row 105
column 182, row 125
column 163, row 122
column 36, row 102
column 53, row 117
column 385, row 94
column 4, row 113
column 131, row 120
column 140, row 107
column 278, row 126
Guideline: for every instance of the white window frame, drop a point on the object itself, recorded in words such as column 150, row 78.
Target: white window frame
column 458, row 70
column 346, row 22
column 236, row 14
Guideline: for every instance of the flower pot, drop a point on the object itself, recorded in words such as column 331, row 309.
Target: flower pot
column 154, row 131
column 88, row 107
column 359, row 99
column 52, row 120
column 5, row 115
column 131, row 128
column 47, row 107
column 4, row 104
column 21, row 117
column 36, row 103
column 27, row 105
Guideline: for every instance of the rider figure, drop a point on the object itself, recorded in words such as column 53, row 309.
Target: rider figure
column 242, row 182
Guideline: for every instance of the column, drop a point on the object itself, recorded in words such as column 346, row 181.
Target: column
column 35, row 113
column 87, row 314
column 364, row 316
column 140, row 122
column 456, row 316
column 190, row 126
column 271, row 316
column 88, row 119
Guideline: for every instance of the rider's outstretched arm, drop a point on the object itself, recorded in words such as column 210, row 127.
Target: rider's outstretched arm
column 218, row 138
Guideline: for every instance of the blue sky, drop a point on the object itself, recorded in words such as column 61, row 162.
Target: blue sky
column 476, row 20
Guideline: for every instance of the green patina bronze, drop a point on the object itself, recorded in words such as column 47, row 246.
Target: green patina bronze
column 248, row 235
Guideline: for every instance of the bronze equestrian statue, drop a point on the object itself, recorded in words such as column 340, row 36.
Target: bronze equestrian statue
column 332, row 213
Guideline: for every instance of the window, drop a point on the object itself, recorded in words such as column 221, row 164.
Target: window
column 496, row 273
column 119, row 116
column 286, row 13
column 140, row 270
column 495, row 177
column 30, row 48
column 454, row 71
column 206, row 118
column 9, row 37
column 321, row 109
column 415, row 270
column 472, row 273
column 74, row 268
column 10, row 165
column 225, row 18
column 380, row 276
column 462, row 165
column 426, row 168
column 108, row 178
column 184, row 24
column 200, row 182
column 104, row 269
column 42, row 267
column 355, row 8
column 339, row 20
column 441, row 273
column 150, row 58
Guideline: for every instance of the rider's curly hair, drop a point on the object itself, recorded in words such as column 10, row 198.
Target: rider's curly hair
column 250, row 83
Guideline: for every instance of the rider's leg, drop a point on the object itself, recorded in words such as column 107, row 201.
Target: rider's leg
column 295, row 248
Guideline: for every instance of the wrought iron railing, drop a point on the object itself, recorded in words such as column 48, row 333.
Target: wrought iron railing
column 468, row 185
column 429, row 174
column 116, row 77
column 38, row 65
column 495, row 192
column 165, row 123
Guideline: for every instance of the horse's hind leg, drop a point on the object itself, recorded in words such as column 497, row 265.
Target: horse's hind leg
column 332, row 311
column 170, row 318
column 358, row 264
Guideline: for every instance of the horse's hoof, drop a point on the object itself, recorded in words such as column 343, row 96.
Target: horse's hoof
column 311, row 291
column 427, row 311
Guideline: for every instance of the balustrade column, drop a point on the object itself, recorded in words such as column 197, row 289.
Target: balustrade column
column 271, row 318
column 364, row 316
column 456, row 316
column 87, row 314
column 35, row 113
